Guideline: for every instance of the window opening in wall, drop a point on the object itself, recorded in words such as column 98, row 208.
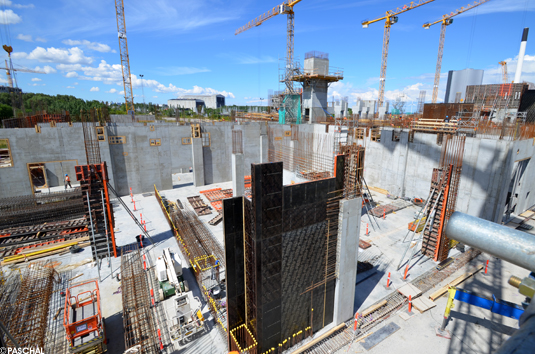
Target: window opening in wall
column 395, row 135
column 376, row 135
column 155, row 142
column 152, row 128
column 6, row 159
column 287, row 133
column 117, row 140
column 186, row 141
column 38, row 175
column 206, row 140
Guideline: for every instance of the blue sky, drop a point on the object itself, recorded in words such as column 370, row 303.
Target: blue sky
column 184, row 47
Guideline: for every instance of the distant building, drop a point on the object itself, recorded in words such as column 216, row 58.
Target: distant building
column 194, row 101
column 458, row 81
column 7, row 89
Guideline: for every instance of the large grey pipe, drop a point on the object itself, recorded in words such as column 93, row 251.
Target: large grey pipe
column 511, row 245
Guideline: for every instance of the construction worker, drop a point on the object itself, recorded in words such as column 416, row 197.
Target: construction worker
column 67, row 181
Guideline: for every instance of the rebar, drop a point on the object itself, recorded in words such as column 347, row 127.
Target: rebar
column 138, row 321
column 24, row 304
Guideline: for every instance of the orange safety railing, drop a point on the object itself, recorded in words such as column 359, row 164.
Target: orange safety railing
column 86, row 325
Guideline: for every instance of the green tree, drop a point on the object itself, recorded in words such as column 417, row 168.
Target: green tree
column 5, row 111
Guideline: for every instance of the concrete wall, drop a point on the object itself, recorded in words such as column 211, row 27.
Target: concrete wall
column 51, row 146
column 138, row 165
column 405, row 169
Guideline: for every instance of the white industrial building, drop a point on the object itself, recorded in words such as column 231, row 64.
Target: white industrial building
column 197, row 101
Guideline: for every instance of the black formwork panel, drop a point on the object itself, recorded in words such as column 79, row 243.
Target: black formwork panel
column 286, row 229
column 267, row 202
column 233, row 231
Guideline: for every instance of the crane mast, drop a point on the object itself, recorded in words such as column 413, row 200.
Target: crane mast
column 446, row 20
column 285, row 8
column 125, row 62
column 390, row 19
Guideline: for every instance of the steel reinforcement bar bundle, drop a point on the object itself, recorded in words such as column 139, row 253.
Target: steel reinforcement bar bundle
column 138, row 319
column 40, row 208
column 24, row 304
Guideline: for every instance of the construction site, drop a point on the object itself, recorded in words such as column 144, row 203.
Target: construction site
column 300, row 229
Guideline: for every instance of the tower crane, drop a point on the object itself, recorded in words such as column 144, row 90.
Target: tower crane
column 287, row 7
column 446, row 20
column 390, row 18
column 125, row 61
column 21, row 70
column 504, row 71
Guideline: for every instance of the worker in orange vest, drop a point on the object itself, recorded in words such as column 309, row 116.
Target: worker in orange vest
column 67, row 181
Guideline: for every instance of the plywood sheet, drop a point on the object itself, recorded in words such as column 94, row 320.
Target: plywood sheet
column 409, row 289
column 423, row 304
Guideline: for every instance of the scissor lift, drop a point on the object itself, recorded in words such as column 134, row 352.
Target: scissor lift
column 83, row 320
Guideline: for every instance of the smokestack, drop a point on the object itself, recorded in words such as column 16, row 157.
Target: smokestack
column 521, row 55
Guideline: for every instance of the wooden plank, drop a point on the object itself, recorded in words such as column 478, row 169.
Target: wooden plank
column 373, row 308
column 456, row 282
column 423, row 304
column 379, row 336
column 527, row 214
column 380, row 190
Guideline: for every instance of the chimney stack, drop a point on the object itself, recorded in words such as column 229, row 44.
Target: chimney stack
column 521, row 55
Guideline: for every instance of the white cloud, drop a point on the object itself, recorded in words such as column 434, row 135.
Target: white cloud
column 25, row 37
column 94, row 89
column 19, row 55
column 242, row 58
column 180, row 70
column 99, row 47
column 71, row 74
column 70, row 87
column 47, row 69
column 40, row 39
column 18, row 6
column 8, row 17
column 121, row 93
column 499, row 6
column 36, row 79
column 493, row 75
column 409, row 93
column 69, row 67
column 76, row 83
column 111, row 74
column 112, row 91
column 154, row 96
column 56, row 55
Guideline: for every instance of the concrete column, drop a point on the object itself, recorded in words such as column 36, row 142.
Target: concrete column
column 238, row 175
column 198, row 162
column 346, row 264
column 264, row 149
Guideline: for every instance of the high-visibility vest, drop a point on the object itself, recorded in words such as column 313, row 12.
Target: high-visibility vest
column 67, row 179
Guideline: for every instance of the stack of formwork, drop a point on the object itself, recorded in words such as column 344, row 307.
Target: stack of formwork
column 93, row 182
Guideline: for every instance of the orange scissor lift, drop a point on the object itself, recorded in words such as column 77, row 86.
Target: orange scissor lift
column 83, row 320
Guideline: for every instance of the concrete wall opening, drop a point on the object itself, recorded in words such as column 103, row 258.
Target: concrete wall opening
column 6, row 159
column 38, row 175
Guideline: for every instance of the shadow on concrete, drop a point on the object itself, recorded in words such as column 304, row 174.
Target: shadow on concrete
column 493, row 326
column 115, row 333
column 176, row 186
column 366, row 282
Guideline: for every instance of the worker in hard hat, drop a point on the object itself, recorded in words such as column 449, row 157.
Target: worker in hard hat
column 67, row 181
